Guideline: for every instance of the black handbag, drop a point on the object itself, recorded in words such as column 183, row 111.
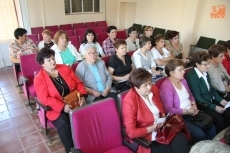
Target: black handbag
column 202, row 120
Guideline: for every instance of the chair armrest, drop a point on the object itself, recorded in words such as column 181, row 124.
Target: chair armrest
column 23, row 79
column 46, row 108
column 74, row 150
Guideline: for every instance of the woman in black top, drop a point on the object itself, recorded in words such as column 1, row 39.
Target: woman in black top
column 120, row 66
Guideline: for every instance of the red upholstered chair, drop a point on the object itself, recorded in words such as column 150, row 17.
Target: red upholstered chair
column 159, row 82
column 53, row 28
column 130, row 53
column 17, row 74
column 65, row 27
column 79, row 32
column 97, row 29
column 106, row 60
column 69, row 32
column 90, row 24
column 105, row 29
column 80, row 38
column 187, row 70
column 121, row 34
column 34, row 37
column 101, row 37
column 96, row 128
column 101, row 24
column 74, row 66
column 28, row 67
column 79, row 25
column 74, row 41
column 37, row 30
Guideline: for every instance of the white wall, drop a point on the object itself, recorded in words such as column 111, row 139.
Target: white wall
column 4, row 55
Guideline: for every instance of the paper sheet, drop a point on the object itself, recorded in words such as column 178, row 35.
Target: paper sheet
column 227, row 105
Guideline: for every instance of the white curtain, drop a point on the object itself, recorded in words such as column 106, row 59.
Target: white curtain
column 8, row 18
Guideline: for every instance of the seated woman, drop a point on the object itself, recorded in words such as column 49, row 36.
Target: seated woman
column 200, row 85
column 95, row 76
column 175, row 47
column 65, row 52
column 90, row 38
column 141, row 109
column 159, row 53
column 143, row 58
column 178, row 99
column 47, row 41
column 220, row 79
column 132, row 41
column 226, row 60
column 51, row 84
column 148, row 32
column 120, row 66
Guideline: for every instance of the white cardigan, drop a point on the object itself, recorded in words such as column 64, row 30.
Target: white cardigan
column 72, row 49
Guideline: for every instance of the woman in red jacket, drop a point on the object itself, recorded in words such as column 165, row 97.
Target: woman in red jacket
column 226, row 60
column 52, row 83
column 142, row 108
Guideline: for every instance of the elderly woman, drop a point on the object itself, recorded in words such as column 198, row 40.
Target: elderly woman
column 178, row 99
column 132, row 41
column 47, row 41
column 142, row 108
column 159, row 53
column 226, row 60
column 65, row 52
column 91, row 38
column 52, row 83
column 143, row 58
column 175, row 47
column 200, row 85
column 95, row 76
column 120, row 66
column 220, row 79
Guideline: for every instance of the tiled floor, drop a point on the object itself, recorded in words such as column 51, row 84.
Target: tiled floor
column 20, row 129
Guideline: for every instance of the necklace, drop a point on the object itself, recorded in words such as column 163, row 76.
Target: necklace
column 59, row 82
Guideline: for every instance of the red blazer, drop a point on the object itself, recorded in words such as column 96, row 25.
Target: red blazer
column 137, row 116
column 49, row 95
column 226, row 62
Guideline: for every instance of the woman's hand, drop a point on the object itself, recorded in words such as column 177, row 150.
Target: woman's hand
column 192, row 112
column 126, row 77
column 82, row 101
column 220, row 109
column 96, row 93
column 67, row 108
column 223, row 102
column 105, row 92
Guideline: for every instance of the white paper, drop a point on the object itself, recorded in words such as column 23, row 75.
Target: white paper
column 161, row 120
column 227, row 105
column 154, row 136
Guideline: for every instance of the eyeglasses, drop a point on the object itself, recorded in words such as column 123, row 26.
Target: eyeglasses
column 149, row 30
column 205, row 64
column 92, row 53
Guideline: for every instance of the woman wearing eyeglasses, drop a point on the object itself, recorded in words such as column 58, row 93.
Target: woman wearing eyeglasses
column 205, row 95
column 148, row 32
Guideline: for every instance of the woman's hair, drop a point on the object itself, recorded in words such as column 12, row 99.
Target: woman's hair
column 143, row 41
column 139, row 76
column 58, row 34
column 110, row 28
column 130, row 30
column 119, row 42
column 172, row 64
column 227, row 45
column 87, row 46
column 216, row 50
column 45, row 52
column 157, row 38
column 172, row 34
column 19, row 32
column 47, row 31
column 227, row 136
column 89, row 31
column 199, row 57
column 146, row 29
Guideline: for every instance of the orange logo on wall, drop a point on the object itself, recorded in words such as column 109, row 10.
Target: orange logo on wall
column 218, row 11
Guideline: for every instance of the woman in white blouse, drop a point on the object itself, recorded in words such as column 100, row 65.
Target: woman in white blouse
column 90, row 38
column 132, row 41
column 160, row 54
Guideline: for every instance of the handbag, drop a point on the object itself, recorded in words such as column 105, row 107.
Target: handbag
column 73, row 99
column 173, row 125
column 202, row 120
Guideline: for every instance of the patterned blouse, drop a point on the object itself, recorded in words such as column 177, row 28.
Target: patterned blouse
column 173, row 51
column 17, row 50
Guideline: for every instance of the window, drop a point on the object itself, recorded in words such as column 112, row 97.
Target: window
column 82, row 6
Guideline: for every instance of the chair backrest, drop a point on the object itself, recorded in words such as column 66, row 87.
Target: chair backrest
column 90, row 24
column 80, row 38
column 79, row 32
column 120, row 98
column 221, row 42
column 101, row 24
column 97, row 29
column 130, row 53
column 96, row 127
column 187, row 70
column 166, row 34
column 205, row 42
column 65, row 27
column 159, row 82
column 53, row 28
column 106, row 60
column 158, row 31
column 79, row 25
column 101, row 37
column 34, row 37
column 74, row 41
column 137, row 26
column 37, row 30
column 69, row 32
column 142, row 29
column 121, row 34
column 74, row 66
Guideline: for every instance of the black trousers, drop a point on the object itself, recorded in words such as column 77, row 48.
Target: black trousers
column 110, row 94
column 179, row 144
column 226, row 96
column 221, row 121
column 123, row 86
column 62, row 123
